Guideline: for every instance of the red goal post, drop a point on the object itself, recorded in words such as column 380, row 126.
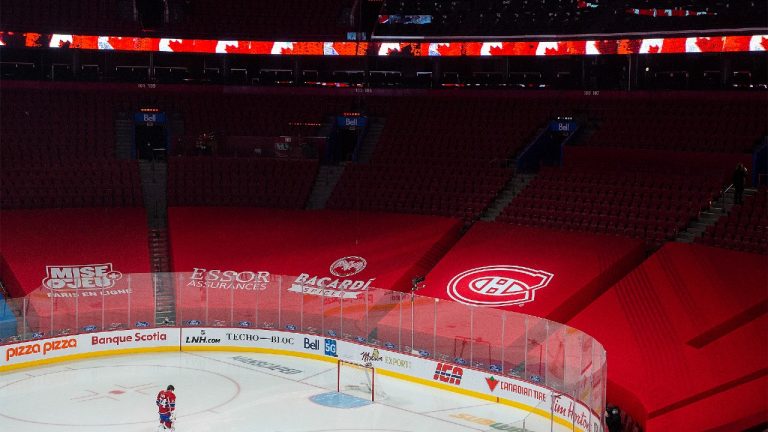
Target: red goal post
column 357, row 377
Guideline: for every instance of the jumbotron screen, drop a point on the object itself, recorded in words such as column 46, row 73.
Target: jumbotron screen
column 707, row 44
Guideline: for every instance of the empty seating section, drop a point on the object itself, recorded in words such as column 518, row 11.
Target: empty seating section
column 202, row 19
column 61, row 16
column 745, row 228
column 687, row 125
column 440, row 153
column 637, row 194
column 642, row 206
column 58, row 145
column 650, row 165
column 228, row 181
column 57, row 151
column 34, row 239
column 441, row 191
column 239, row 115
column 440, row 157
column 218, row 181
column 246, row 18
column 42, row 126
column 291, row 242
column 104, row 183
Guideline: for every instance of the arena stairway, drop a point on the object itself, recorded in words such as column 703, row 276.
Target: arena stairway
column 154, row 177
column 719, row 208
column 124, row 130
column 372, row 134
column 325, row 182
column 514, row 186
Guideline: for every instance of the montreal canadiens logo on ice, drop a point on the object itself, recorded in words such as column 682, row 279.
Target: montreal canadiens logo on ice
column 81, row 276
column 499, row 285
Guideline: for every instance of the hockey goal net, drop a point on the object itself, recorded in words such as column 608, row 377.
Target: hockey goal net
column 359, row 380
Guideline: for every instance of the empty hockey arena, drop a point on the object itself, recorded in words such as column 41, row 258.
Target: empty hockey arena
column 383, row 216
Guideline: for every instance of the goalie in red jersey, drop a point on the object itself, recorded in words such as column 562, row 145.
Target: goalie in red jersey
column 166, row 406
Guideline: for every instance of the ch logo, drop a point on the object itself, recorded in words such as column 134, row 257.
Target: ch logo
column 500, row 285
column 495, row 286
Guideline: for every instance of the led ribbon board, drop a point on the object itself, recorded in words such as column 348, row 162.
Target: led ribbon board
column 706, row 44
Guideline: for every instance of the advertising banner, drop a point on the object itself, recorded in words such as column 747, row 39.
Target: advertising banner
column 346, row 257
column 256, row 339
column 149, row 118
column 84, row 345
column 77, row 250
column 538, row 399
column 133, row 340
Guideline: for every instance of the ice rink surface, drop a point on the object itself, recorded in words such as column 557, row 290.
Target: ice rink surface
column 228, row 391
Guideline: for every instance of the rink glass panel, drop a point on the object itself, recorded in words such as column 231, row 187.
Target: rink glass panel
column 564, row 359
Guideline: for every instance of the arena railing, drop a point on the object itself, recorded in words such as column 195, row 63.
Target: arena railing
column 507, row 344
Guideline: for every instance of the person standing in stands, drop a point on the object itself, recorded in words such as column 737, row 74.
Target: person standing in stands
column 739, row 179
column 613, row 419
